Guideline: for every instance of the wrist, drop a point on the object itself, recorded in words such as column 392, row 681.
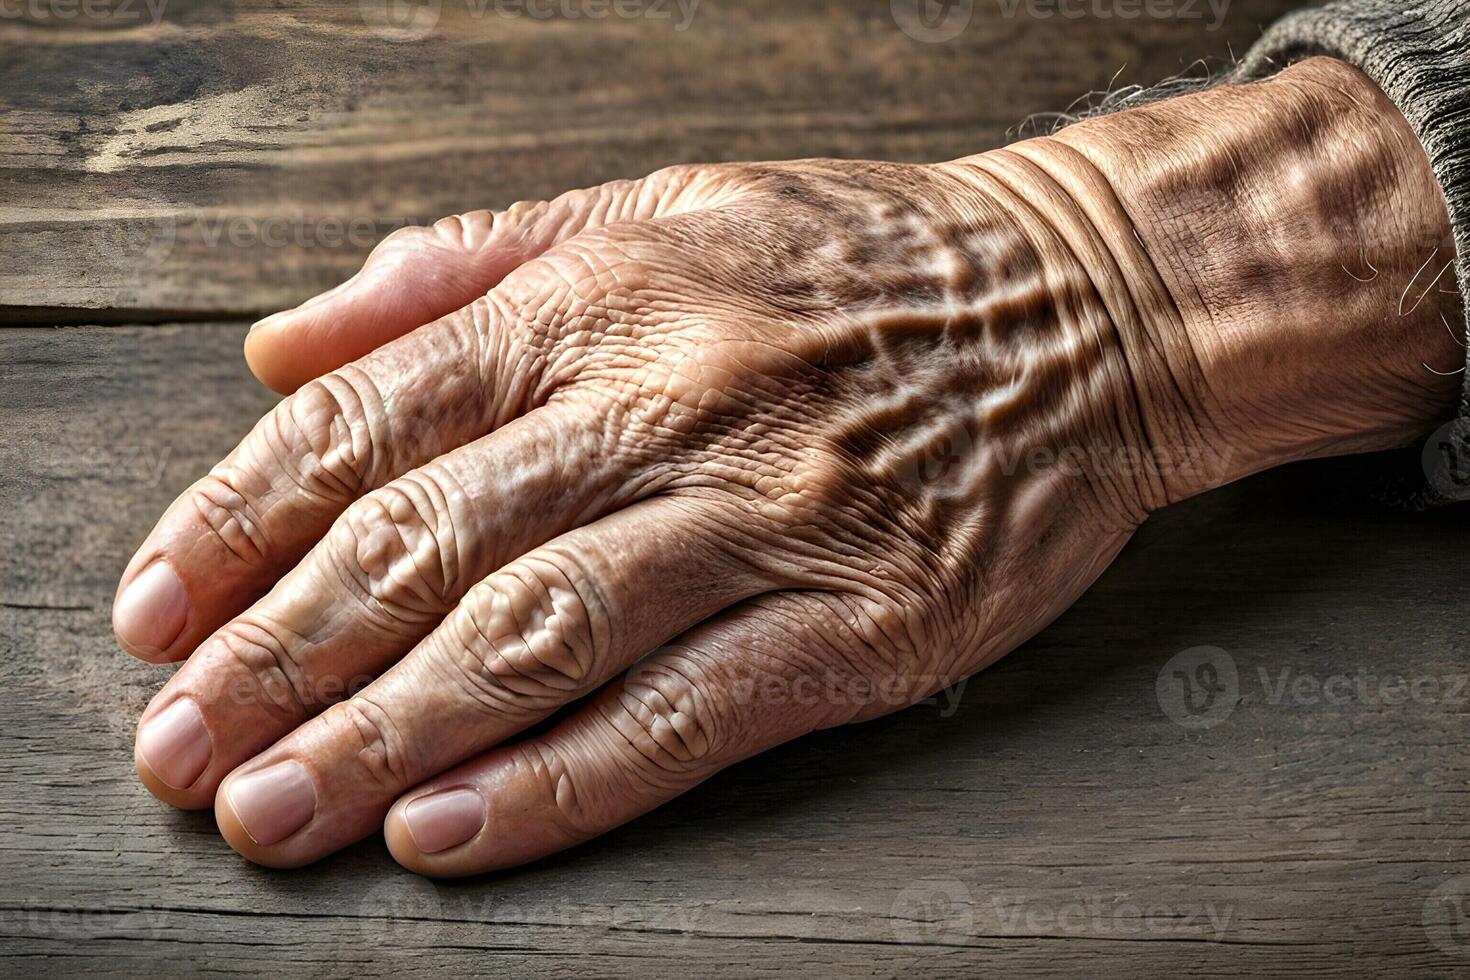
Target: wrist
column 1273, row 258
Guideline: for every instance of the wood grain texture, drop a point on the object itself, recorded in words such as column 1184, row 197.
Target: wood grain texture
column 237, row 157
column 1055, row 821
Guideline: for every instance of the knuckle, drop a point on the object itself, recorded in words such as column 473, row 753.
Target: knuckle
column 687, row 395
column 399, row 237
column 273, row 677
column 540, row 299
column 590, row 294
column 690, row 186
column 875, row 635
column 548, row 769
column 230, row 516
column 554, row 217
column 380, row 746
column 530, row 637
column 395, row 551
column 667, row 712
column 681, row 186
column 592, row 272
column 606, row 268
column 322, row 438
column 402, row 245
column 844, row 658
column 677, row 174
column 469, row 232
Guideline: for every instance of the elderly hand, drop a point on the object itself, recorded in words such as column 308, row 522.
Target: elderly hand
column 739, row 452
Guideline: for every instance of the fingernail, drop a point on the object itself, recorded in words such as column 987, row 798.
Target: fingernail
column 150, row 614
column 175, row 744
column 275, row 802
column 443, row 820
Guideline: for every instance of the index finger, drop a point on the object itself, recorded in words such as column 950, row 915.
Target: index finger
column 231, row 535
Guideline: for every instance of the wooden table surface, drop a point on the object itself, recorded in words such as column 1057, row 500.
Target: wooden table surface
column 1111, row 799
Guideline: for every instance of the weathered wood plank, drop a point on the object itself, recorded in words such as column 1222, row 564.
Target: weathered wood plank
column 236, row 157
column 1056, row 820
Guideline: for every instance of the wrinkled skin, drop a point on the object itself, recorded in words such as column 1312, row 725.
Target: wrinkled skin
column 733, row 452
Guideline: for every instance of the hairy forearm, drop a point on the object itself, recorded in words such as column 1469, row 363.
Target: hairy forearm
column 1273, row 258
